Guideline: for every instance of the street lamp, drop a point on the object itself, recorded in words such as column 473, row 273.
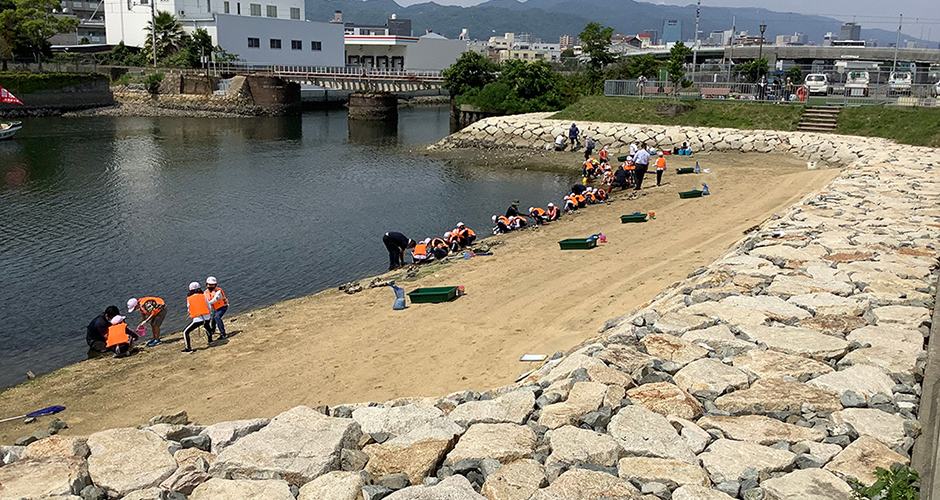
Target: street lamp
column 763, row 28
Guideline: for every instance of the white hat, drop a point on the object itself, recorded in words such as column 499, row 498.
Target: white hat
column 212, row 281
column 117, row 320
column 448, row 234
column 131, row 305
column 660, row 153
column 551, row 204
column 494, row 218
column 194, row 285
column 531, row 208
column 460, row 224
column 426, row 241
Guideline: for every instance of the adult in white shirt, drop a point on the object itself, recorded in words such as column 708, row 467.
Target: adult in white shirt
column 642, row 162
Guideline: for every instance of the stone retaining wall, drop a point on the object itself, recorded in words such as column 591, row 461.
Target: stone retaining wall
column 785, row 369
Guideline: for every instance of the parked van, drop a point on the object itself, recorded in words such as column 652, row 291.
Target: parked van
column 856, row 84
column 899, row 83
column 817, row 84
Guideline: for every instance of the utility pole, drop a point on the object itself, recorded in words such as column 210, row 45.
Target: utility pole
column 698, row 9
column 894, row 66
column 734, row 27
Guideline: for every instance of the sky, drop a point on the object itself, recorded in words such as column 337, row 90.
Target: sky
column 921, row 17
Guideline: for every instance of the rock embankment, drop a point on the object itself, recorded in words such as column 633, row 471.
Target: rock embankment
column 787, row 368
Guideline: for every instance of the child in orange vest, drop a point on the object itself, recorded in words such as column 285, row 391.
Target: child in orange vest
column 120, row 337
column 200, row 313
column 660, row 168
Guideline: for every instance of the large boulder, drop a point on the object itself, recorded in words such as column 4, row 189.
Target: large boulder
column 584, row 397
column 185, row 479
column 587, row 484
column 807, row 484
column 455, row 487
column 512, row 408
column 760, row 429
column 626, row 358
column 693, row 492
column 860, row 459
column 824, row 304
column 44, row 477
column 666, row 399
column 729, row 458
column 416, row 453
column 396, row 420
column 224, row 489
column 774, row 307
column 57, row 446
column 568, row 365
column 863, row 380
column 503, row 442
column 672, row 473
column 643, row 433
column 773, row 364
column 885, row 427
column 710, row 375
column 518, row 480
column 336, row 485
column 720, row 339
column 798, row 341
column 298, row 445
column 124, row 460
column 768, row 395
column 574, row 445
column 665, row 346
column 223, row 434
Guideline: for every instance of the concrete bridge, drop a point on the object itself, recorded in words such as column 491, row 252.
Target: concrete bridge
column 358, row 79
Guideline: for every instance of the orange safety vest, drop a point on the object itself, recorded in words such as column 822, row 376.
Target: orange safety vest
column 147, row 305
column 630, row 167
column 580, row 198
column 438, row 243
column 553, row 212
column 591, row 197
column 505, row 220
column 197, row 305
column 117, row 334
column 661, row 163
column 601, row 194
column 420, row 249
column 467, row 232
column 536, row 212
column 603, row 154
column 222, row 302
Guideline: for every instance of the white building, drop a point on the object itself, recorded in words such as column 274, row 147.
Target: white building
column 434, row 52
column 266, row 32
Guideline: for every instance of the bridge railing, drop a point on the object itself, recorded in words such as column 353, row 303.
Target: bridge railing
column 355, row 71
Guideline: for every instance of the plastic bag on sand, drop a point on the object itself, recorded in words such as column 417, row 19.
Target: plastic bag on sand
column 399, row 297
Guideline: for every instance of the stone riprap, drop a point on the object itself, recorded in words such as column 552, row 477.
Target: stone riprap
column 696, row 394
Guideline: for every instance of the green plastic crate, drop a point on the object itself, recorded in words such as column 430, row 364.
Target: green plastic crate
column 433, row 295
column 688, row 170
column 578, row 243
column 622, row 158
column 695, row 193
column 632, row 218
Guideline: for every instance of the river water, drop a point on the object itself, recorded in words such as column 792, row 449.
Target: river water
column 96, row 210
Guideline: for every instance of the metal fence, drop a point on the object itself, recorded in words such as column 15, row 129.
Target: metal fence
column 837, row 94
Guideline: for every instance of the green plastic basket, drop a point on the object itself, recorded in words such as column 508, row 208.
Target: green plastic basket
column 433, row 295
column 622, row 158
column 578, row 243
column 688, row 170
column 632, row 218
column 690, row 194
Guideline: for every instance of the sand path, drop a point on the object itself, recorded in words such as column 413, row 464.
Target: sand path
column 530, row 297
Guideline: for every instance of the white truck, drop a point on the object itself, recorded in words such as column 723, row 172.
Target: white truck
column 856, row 84
column 900, row 82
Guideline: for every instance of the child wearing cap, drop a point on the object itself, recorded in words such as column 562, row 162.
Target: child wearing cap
column 660, row 168
column 120, row 337
column 200, row 313
column 153, row 311
column 218, row 305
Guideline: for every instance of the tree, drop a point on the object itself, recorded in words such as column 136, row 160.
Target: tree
column 753, row 70
column 30, row 24
column 595, row 42
column 472, row 71
column 676, row 64
column 528, row 80
column 795, row 74
column 567, row 53
column 169, row 35
column 634, row 67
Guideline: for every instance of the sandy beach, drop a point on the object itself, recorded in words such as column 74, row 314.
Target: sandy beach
column 529, row 297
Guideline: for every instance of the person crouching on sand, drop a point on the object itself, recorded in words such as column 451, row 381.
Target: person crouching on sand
column 199, row 313
column 120, row 337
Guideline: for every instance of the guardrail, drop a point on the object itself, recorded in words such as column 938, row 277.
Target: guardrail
column 838, row 95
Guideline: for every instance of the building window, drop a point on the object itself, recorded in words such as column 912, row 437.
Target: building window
column 272, row 10
column 238, row 8
column 295, row 12
column 225, row 7
column 275, row 43
column 316, row 46
column 296, row 45
column 77, row 5
column 255, row 9
column 208, row 5
column 254, row 43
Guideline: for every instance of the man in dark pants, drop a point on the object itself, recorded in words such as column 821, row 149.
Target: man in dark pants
column 396, row 244
column 96, row 334
column 642, row 163
column 620, row 179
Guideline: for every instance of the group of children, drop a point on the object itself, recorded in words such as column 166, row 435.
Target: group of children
column 438, row 248
column 109, row 331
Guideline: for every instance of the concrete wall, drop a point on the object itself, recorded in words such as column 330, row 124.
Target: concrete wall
column 53, row 102
column 434, row 53
column 234, row 31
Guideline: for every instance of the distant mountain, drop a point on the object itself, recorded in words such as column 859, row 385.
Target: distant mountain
column 550, row 19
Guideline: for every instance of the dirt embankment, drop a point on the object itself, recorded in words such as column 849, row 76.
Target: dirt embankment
column 530, row 297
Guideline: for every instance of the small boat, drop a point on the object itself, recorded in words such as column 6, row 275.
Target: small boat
column 7, row 129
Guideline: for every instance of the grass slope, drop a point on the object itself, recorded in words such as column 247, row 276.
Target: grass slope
column 916, row 126
column 732, row 114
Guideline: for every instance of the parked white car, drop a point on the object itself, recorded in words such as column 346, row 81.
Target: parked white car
column 817, row 84
column 936, row 89
column 900, row 82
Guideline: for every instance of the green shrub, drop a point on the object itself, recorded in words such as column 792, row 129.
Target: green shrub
column 123, row 79
column 899, row 483
column 153, row 82
column 21, row 82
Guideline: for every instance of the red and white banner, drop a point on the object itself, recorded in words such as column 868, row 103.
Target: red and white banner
column 8, row 98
